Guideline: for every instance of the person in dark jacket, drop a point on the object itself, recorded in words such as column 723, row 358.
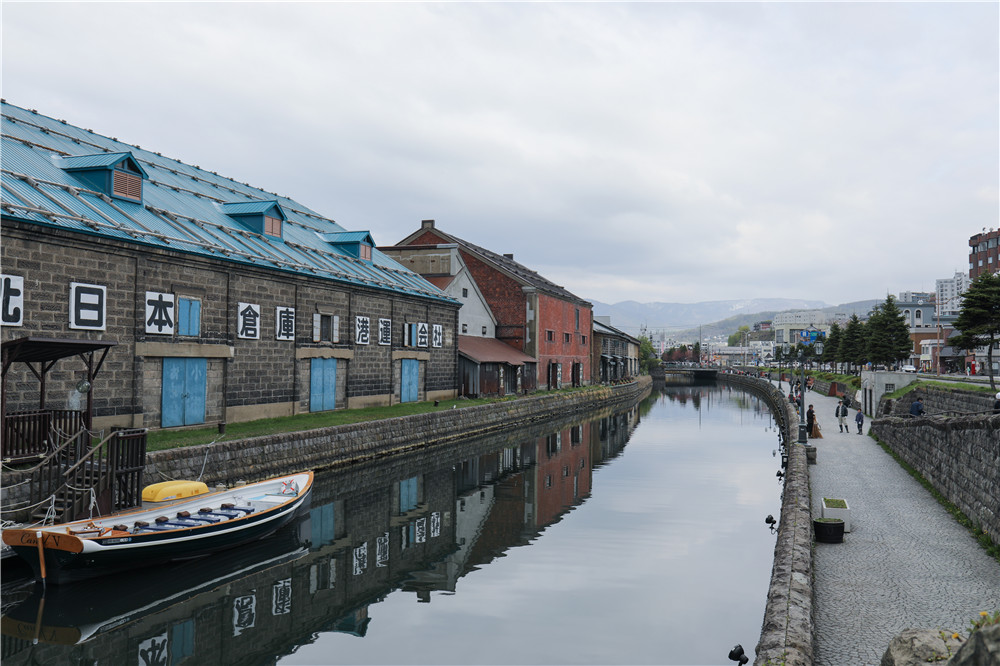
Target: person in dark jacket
column 810, row 420
column 996, row 405
column 841, row 414
column 860, row 420
column 917, row 407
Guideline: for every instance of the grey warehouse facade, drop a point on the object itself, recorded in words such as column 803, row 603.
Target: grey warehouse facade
column 220, row 302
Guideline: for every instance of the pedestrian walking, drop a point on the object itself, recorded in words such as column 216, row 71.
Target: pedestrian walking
column 841, row 414
column 860, row 420
column 810, row 420
column 917, row 407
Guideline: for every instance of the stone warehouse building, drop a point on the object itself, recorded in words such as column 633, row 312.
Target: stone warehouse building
column 217, row 301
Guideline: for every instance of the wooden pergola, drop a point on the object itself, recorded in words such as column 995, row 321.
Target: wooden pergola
column 40, row 355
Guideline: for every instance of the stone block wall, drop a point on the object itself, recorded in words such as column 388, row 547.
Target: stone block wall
column 938, row 400
column 959, row 456
column 46, row 314
column 786, row 634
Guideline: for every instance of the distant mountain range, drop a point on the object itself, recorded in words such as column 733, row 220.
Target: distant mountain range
column 683, row 320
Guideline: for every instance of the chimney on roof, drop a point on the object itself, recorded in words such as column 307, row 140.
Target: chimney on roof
column 509, row 256
column 426, row 224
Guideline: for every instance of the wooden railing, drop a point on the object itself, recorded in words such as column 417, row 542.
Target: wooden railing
column 46, row 477
column 77, row 479
column 129, row 455
column 33, row 434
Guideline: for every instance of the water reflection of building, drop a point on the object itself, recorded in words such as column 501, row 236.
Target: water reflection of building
column 417, row 523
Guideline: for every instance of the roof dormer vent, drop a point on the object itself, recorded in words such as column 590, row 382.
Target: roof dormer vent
column 117, row 175
column 263, row 217
column 357, row 244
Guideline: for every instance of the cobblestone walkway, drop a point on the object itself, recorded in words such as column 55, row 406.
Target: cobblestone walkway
column 906, row 563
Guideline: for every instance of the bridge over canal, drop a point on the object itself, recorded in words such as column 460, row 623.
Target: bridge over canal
column 684, row 375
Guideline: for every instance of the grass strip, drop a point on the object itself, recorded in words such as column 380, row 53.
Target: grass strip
column 161, row 440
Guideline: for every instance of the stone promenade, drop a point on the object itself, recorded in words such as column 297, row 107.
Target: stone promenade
column 906, row 563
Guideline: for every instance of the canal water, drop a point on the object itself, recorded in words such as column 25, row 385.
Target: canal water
column 635, row 537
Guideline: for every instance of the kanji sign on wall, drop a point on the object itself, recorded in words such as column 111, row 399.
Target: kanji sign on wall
column 385, row 331
column 88, row 305
column 284, row 323
column 160, row 313
column 422, row 334
column 437, row 335
column 12, row 295
column 248, row 321
column 362, row 330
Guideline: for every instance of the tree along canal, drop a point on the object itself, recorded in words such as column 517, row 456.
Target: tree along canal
column 629, row 538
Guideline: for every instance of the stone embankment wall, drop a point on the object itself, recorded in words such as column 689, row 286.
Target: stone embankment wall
column 939, row 400
column 959, row 456
column 786, row 635
column 261, row 457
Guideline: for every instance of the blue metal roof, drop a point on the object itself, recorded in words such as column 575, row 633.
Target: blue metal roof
column 184, row 207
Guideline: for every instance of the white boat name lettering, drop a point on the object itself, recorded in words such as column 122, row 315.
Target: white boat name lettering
column 122, row 540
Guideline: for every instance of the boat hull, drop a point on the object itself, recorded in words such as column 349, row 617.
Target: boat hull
column 68, row 557
column 69, row 614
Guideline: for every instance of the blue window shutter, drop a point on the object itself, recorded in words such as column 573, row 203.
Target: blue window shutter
column 188, row 317
column 408, row 494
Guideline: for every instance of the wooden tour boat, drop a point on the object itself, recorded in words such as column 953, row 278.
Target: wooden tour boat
column 194, row 523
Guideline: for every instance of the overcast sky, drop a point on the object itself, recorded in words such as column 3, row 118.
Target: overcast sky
column 650, row 152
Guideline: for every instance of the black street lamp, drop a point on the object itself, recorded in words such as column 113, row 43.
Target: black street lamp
column 818, row 348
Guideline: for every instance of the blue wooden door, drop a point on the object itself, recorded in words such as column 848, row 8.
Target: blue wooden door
column 322, row 384
column 184, row 390
column 409, row 380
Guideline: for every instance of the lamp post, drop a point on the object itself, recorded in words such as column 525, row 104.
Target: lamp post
column 818, row 347
column 802, row 398
column 785, row 349
column 779, row 354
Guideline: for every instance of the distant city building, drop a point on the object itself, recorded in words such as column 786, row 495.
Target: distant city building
column 983, row 253
column 915, row 296
column 917, row 308
column 927, row 328
column 799, row 326
column 948, row 293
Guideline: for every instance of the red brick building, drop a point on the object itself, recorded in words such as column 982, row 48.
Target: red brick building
column 984, row 256
column 533, row 315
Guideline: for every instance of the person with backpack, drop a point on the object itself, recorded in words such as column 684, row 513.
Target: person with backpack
column 860, row 420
